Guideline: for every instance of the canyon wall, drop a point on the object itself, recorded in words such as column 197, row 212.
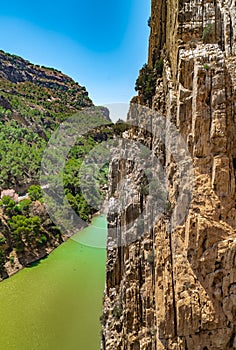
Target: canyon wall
column 171, row 284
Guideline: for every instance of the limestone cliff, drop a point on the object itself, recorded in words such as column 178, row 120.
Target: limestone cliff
column 175, row 287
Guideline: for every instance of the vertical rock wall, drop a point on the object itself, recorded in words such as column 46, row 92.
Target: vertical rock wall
column 175, row 286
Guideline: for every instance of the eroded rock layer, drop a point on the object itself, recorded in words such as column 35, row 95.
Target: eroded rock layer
column 174, row 285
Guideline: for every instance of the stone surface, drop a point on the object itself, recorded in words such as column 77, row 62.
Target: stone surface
column 175, row 286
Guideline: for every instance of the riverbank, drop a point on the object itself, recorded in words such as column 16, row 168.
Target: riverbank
column 56, row 303
column 18, row 261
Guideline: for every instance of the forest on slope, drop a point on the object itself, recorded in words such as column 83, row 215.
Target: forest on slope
column 34, row 100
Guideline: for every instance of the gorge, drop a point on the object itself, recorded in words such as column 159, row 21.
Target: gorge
column 171, row 245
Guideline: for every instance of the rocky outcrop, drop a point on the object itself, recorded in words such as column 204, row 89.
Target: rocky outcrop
column 173, row 285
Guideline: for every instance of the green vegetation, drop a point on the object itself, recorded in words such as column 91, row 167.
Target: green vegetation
column 20, row 154
column 25, row 231
column 144, row 190
column 159, row 67
column 2, row 240
column 168, row 208
column 73, row 177
column 30, row 111
column 23, row 206
column 206, row 66
column 12, row 260
column 120, row 127
column 35, row 192
column 7, row 202
column 146, row 82
column 208, row 34
column 151, row 258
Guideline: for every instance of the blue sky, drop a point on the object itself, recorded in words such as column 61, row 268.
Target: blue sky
column 101, row 44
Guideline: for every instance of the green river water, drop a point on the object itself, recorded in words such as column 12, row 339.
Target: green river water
column 56, row 303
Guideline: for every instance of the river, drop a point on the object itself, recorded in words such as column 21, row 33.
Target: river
column 56, row 303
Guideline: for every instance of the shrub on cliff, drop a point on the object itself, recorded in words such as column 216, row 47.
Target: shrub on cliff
column 208, row 34
column 159, row 67
column 146, row 82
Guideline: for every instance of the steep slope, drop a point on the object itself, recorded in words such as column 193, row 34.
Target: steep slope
column 38, row 97
column 33, row 102
column 174, row 287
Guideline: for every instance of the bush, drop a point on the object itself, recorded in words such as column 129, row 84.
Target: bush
column 7, row 201
column 151, row 258
column 146, row 82
column 120, row 127
column 23, row 206
column 159, row 67
column 168, row 207
column 8, row 205
column 35, row 192
column 12, row 260
column 2, row 240
column 208, row 33
column 42, row 239
column 206, row 67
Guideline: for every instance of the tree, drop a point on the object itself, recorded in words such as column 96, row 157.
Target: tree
column 8, row 204
column 146, row 83
column 25, row 229
column 23, row 206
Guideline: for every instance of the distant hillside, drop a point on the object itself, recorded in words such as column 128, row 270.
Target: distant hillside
column 37, row 96
column 34, row 100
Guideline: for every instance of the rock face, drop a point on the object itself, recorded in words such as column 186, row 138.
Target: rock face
column 174, row 287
